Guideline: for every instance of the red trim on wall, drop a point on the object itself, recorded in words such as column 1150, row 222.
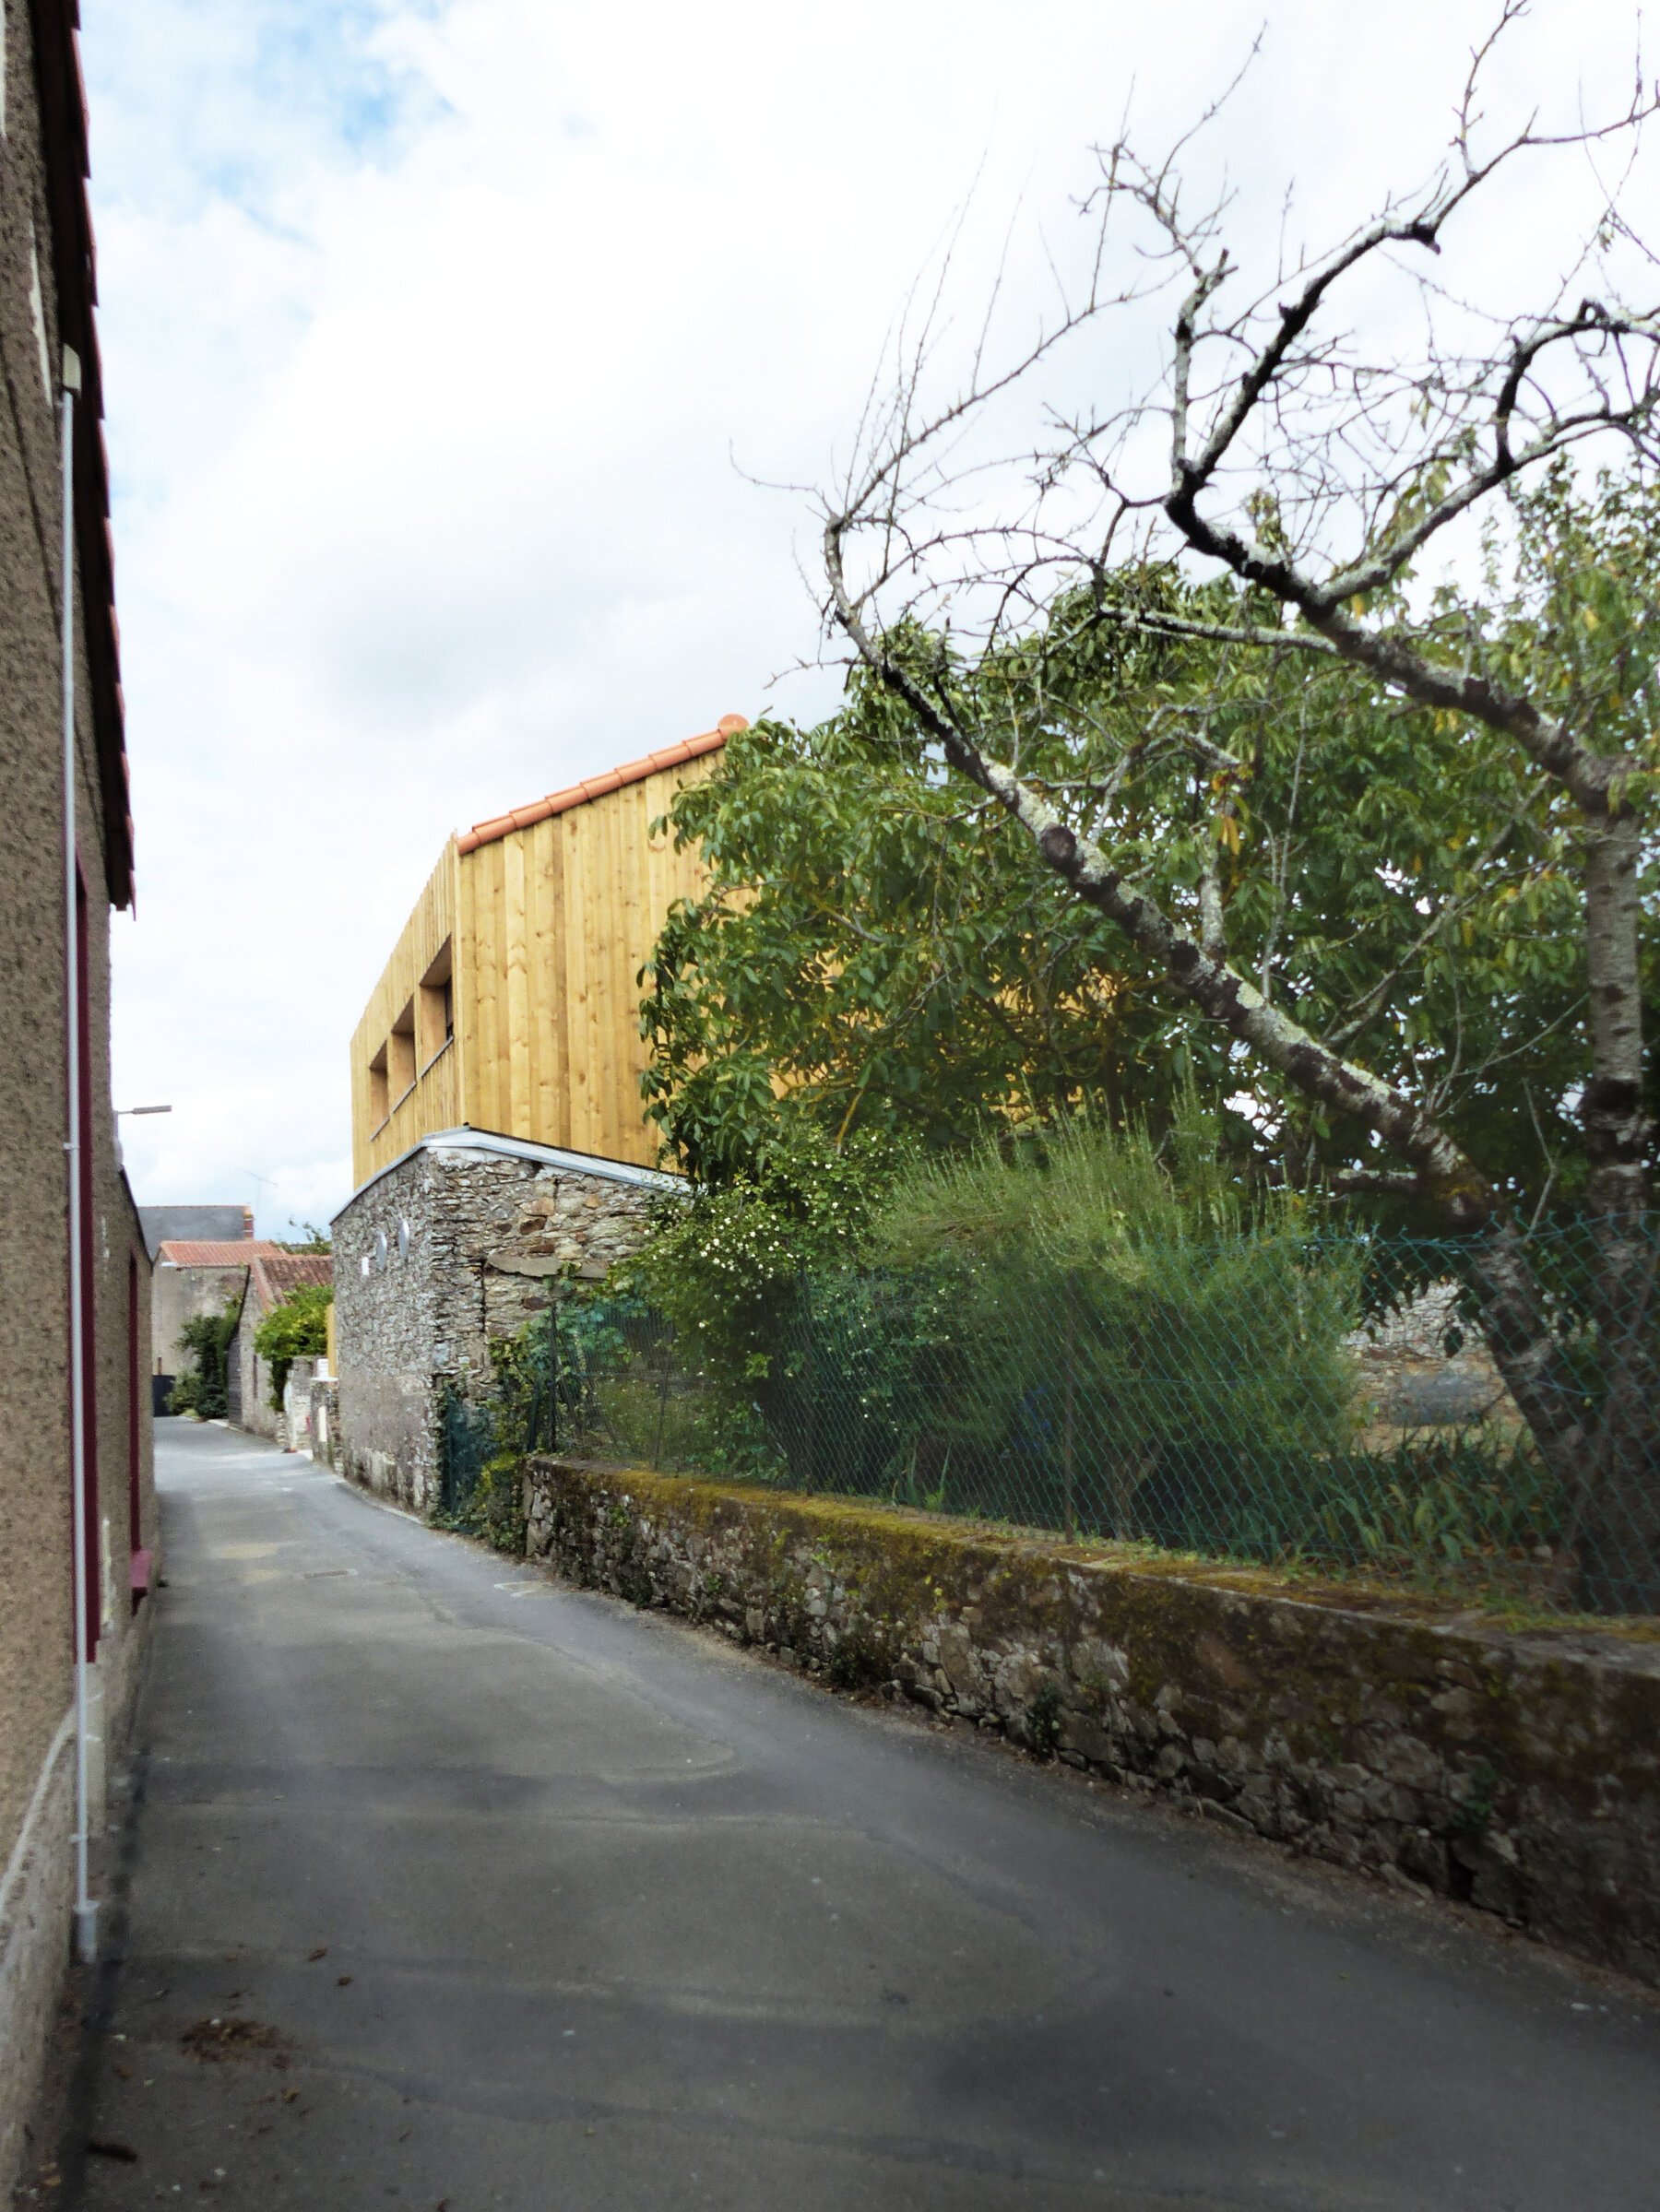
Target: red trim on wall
column 90, row 1565
column 135, row 1433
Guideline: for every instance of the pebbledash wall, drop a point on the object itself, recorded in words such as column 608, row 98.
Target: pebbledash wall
column 46, row 304
column 1518, row 1772
column 458, row 1242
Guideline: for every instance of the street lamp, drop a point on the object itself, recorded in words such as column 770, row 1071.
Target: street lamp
column 122, row 1110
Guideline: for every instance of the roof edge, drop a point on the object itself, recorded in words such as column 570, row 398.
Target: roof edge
column 598, row 787
column 520, row 1147
column 63, row 110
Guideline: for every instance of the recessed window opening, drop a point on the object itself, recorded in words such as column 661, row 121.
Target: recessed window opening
column 380, row 1095
column 436, row 1006
column 400, row 1054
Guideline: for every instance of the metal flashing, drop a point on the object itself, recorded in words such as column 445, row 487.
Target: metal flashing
column 521, row 1148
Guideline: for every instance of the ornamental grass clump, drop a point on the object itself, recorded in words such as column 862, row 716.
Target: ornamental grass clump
column 1108, row 1331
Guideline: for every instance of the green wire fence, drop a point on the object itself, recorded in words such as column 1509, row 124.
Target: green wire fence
column 1327, row 1403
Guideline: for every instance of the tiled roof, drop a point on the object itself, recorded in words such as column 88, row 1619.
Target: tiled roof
column 190, row 1251
column 577, row 794
column 63, row 111
column 275, row 1277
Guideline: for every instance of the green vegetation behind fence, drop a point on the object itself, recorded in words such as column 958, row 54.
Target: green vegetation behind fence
column 1323, row 1404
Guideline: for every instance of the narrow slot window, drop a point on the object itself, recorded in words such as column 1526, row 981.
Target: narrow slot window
column 436, row 1013
column 400, row 1053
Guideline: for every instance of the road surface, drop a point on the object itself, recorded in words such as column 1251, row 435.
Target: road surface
column 445, row 1886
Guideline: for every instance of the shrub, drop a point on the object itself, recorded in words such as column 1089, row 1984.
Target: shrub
column 296, row 1328
column 206, row 1337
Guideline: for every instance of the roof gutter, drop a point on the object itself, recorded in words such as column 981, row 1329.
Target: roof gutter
column 521, row 1148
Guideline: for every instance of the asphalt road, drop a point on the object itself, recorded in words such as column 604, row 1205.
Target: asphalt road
column 444, row 1886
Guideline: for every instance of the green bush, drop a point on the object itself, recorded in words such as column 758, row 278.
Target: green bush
column 296, row 1328
column 206, row 1338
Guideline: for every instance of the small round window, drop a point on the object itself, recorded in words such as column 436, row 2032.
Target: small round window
column 380, row 1247
column 403, row 1240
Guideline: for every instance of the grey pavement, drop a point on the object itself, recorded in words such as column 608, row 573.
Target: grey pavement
column 447, row 1886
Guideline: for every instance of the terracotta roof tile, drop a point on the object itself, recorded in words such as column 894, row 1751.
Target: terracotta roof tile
column 278, row 1274
column 596, row 787
column 186, row 1252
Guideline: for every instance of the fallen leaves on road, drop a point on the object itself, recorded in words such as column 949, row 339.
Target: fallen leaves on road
column 124, row 2151
column 218, row 2043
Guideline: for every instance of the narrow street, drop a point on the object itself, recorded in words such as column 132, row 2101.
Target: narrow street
column 451, row 1887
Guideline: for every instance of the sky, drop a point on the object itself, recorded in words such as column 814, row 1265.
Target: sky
column 470, row 368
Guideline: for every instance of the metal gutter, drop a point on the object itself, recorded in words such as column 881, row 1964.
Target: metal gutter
column 521, row 1148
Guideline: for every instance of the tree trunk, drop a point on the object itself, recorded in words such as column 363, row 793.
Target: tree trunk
column 1615, row 1523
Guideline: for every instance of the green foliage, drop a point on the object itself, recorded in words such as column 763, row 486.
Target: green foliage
column 494, row 1508
column 311, row 1240
column 1067, row 1197
column 1043, row 1717
column 875, row 953
column 1111, row 1313
column 296, row 1328
column 206, row 1337
column 722, row 1266
column 879, row 950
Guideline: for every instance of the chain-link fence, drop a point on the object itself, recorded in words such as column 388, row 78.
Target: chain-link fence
column 1329, row 1404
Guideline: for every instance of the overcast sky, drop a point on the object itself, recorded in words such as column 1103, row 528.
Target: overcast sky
column 442, row 344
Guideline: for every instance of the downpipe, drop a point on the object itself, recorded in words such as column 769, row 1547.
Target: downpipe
column 86, row 1909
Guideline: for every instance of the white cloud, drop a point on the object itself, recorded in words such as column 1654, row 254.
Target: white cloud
column 430, row 330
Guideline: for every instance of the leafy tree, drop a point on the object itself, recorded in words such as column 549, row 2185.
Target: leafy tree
column 310, row 1239
column 1316, row 472
column 296, row 1328
column 206, row 1338
column 724, row 1265
column 871, row 956
column 872, row 953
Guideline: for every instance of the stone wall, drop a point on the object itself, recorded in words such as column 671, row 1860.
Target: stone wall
column 325, row 1395
column 1421, row 1366
column 179, row 1295
column 1517, row 1771
column 454, row 1245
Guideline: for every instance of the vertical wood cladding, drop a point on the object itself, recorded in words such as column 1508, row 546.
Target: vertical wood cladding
column 547, row 927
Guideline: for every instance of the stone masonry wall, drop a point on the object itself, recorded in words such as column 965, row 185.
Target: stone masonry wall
column 452, row 1248
column 1519, row 1772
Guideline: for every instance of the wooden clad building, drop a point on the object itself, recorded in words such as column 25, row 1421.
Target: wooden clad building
column 510, row 1003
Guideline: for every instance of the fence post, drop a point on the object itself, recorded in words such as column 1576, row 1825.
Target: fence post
column 553, row 1374
column 1069, row 1431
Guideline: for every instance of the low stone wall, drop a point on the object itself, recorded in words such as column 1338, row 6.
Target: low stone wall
column 1517, row 1771
column 324, row 1395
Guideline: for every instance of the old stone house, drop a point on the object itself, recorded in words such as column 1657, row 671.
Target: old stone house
column 56, row 899
column 459, row 1242
column 498, row 1135
column 194, row 1276
column 273, row 1275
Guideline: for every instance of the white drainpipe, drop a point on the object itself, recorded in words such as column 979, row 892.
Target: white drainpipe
column 86, row 1910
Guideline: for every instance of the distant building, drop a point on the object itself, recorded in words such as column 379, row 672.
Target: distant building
column 199, row 1225
column 46, row 313
column 458, row 1243
column 272, row 1277
column 499, row 1139
column 194, row 1276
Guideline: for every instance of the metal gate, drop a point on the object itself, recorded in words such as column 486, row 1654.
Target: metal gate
column 466, row 1439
